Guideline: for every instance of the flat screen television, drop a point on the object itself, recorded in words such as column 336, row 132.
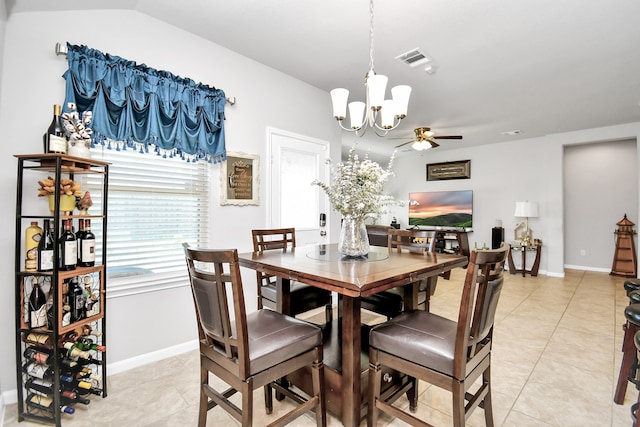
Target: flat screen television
column 441, row 209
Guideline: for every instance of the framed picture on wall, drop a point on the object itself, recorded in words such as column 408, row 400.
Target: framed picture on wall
column 239, row 179
column 449, row 170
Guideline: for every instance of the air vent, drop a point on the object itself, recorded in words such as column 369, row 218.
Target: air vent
column 413, row 58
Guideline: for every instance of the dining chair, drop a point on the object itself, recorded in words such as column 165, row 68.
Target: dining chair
column 301, row 297
column 248, row 351
column 391, row 303
column 448, row 354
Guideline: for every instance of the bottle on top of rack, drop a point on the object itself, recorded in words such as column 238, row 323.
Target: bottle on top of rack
column 68, row 248
column 33, row 235
column 45, row 247
column 55, row 140
column 87, row 246
column 37, row 306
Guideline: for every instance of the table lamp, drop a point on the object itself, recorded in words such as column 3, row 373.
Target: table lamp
column 526, row 210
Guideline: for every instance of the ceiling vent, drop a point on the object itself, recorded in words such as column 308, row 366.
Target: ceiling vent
column 414, row 57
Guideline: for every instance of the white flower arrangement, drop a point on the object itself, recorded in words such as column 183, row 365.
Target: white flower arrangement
column 76, row 126
column 357, row 186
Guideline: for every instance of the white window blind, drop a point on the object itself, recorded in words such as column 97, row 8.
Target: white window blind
column 154, row 204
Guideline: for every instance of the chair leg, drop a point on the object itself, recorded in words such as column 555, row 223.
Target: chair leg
column 204, row 400
column 412, row 395
column 268, row 399
column 247, row 403
column 487, row 402
column 328, row 313
column 629, row 355
column 457, row 392
column 375, row 377
column 317, row 376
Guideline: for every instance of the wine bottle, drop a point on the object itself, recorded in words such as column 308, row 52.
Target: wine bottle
column 46, row 403
column 39, row 339
column 79, row 234
column 33, row 235
column 45, row 248
column 76, row 399
column 45, row 388
column 76, row 300
column 86, row 344
column 87, row 251
column 37, row 306
column 40, row 355
column 55, row 140
column 46, row 372
column 68, row 248
column 73, row 351
column 88, row 361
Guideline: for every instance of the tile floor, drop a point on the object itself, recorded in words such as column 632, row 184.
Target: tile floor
column 555, row 363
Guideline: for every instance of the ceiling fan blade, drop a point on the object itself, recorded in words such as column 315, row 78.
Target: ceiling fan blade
column 404, row 143
column 433, row 143
column 447, row 136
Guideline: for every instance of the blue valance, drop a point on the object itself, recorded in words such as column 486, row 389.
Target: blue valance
column 141, row 107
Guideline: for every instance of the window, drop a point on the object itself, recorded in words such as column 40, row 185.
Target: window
column 154, row 205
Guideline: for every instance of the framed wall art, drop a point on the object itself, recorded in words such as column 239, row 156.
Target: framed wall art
column 239, row 179
column 449, row 170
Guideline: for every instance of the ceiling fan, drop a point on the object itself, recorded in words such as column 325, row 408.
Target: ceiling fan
column 425, row 139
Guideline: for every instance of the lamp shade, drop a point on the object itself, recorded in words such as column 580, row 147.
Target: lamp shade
column 339, row 98
column 526, row 210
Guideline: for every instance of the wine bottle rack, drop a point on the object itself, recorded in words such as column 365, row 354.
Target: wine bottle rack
column 31, row 168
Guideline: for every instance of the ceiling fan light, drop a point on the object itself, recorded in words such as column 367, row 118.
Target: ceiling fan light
column 400, row 96
column 377, row 86
column 339, row 98
column 356, row 112
column 388, row 113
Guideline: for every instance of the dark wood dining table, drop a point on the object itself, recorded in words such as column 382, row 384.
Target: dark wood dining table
column 323, row 266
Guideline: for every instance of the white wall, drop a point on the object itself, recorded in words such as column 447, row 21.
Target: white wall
column 31, row 83
column 504, row 173
column 599, row 188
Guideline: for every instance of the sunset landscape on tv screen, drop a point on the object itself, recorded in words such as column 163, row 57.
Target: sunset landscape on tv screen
column 452, row 209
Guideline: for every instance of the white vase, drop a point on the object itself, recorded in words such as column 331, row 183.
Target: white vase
column 354, row 241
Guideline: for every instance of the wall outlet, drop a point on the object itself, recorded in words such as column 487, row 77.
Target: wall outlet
column 583, row 252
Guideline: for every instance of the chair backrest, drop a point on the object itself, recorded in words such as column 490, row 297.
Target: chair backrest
column 214, row 274
column 412, row 240
column 480, row 295
column 274, row 238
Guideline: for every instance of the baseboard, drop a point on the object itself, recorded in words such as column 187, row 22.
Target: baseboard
column 11, row 396
column 582, row 267
column 144, row 359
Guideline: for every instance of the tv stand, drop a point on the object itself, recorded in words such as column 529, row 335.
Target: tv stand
column 452, row 242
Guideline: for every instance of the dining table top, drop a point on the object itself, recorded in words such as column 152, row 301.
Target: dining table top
column 324, row 267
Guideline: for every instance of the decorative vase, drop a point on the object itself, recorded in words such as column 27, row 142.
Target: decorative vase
column 67, row 203
column 354, row 241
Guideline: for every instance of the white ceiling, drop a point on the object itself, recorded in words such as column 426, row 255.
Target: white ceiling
column 539, row 66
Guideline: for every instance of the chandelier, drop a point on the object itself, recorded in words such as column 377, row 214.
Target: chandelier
column 363, row 115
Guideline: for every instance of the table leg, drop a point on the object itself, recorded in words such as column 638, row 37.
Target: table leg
column 351, row 339
column 524, row 262
column 283, row 292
